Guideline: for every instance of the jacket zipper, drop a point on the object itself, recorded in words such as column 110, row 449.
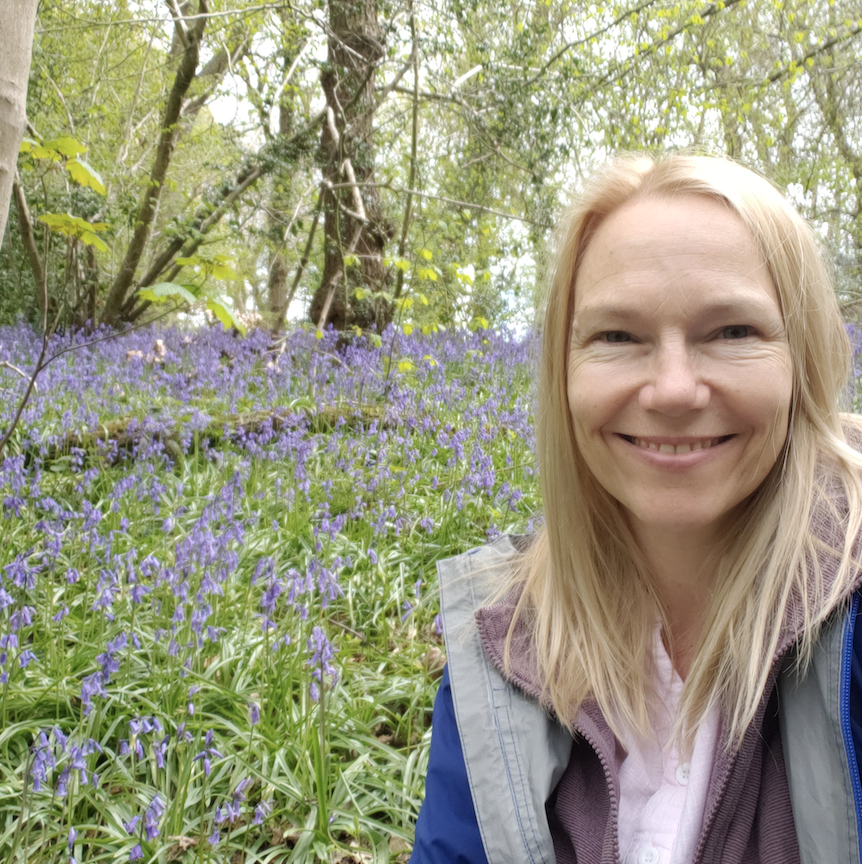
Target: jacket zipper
column 844, row 706
column 609, row 779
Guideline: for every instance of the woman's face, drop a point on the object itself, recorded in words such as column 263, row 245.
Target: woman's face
column 680, row 375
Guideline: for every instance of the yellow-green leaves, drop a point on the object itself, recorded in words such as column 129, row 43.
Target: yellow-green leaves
column 75, row 226
column 164, row 291
column 225, row 314
column 217, row 266
column 85, row 175
column 58, row 149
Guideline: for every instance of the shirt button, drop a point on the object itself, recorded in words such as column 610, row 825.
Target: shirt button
column 682, row 774
column 648, row 855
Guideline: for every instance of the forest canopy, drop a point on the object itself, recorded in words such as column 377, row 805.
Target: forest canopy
column 360, row 162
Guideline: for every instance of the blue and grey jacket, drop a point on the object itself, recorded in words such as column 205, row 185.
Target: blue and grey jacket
column 497, row 756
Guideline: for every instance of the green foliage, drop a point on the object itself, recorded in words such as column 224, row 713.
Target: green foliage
column 516, row 104
column 74, row 226
column 191, row 295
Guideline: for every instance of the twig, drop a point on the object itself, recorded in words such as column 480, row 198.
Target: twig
column 303, row 261
column 25, row 224
column 14, row 368
column 42, row 363
column 468, row 204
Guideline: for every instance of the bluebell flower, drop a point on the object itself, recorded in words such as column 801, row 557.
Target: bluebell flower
column 261, row 811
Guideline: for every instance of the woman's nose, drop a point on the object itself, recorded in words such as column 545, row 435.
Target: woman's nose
column 674, row 386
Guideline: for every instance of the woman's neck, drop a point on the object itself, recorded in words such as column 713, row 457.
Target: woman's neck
column 682, row 567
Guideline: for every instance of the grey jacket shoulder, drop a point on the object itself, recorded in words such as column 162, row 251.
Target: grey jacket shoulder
column 514, row 752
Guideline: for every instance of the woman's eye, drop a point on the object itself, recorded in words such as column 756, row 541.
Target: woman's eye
column 737, row 331
column 615, row 336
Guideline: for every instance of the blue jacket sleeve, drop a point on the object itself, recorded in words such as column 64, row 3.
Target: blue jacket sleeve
column 856, row 691
column 447, row 831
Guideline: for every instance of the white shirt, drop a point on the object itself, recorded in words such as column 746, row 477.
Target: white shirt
column 662, row 800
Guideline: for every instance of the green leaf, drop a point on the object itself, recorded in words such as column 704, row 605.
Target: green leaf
column 73, row 226
column 226, row 315
column 164, row 291
column 85, row 175
column 69, row 147
column 220, row 271
column 91, row 239
column 402, row 264
column 350, row 260
column 187, row 262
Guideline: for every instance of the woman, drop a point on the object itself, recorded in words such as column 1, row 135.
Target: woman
column 666, row 671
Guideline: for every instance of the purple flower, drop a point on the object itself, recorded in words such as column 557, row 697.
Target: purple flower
column 207, row 753
column 137, row 853
column 151, row 817
column 263, row 809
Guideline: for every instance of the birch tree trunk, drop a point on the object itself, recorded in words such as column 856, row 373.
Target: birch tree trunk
column 17, row 19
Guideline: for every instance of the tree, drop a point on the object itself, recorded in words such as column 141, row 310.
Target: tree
column 17, row 19
column 355, row 228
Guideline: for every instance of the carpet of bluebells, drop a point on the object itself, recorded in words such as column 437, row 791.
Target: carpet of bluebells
column 219, row 636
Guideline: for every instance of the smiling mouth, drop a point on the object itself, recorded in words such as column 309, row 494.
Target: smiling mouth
column 676, row 449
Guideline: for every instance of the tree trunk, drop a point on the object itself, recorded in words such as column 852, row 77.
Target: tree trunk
column 278, row 269
column 17, row 19
column 353, row 223
column 186, row 72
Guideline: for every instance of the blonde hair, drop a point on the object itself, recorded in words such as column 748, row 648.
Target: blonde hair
column 586, row 594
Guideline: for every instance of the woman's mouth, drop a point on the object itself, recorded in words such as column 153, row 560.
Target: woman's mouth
column 663, row 446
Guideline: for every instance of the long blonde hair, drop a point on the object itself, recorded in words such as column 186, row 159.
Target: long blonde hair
column 586, row 594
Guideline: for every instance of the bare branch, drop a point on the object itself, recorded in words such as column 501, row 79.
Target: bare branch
column 7, row 365
column 28, row 238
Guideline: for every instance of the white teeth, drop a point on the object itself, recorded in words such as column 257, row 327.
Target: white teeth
column 679, row 449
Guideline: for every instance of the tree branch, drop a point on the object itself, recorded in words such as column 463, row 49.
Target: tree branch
column 25, row 223
column 164, row 152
